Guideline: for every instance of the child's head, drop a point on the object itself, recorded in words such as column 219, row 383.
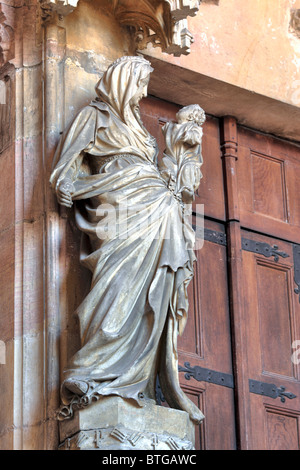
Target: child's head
column 192, row 112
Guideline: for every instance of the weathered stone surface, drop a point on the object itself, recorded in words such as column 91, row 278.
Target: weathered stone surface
column 161, row 22
column 115, row 424
column 248, row 46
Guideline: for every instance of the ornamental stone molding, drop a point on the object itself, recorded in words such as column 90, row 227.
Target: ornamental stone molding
column 163, row 23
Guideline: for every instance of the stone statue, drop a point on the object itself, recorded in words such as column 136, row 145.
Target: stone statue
column 106, row 163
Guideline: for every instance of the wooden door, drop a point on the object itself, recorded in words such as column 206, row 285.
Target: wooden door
column 238, row 356
column 205, row 347
column 269, row 202
column 270, row 327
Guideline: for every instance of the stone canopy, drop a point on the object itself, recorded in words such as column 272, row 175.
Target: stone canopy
column 163, row 23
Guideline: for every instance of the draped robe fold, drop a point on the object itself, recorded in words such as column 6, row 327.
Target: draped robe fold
column 137, row 303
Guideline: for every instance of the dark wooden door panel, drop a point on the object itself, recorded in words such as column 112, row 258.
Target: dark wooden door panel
column 215, row 432
column 271, row 325
column 197, row 396
column 276, row 316
column 292, row 169
column 269, row 176
column 211, row 191
column 208, row 298
column 206, row 344
column 268, row 186
column 282, row 428
column 273, row 427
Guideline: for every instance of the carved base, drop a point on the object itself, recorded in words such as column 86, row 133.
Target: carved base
column 115, row 424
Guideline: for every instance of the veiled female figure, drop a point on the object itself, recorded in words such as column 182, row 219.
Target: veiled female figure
column 137, row 304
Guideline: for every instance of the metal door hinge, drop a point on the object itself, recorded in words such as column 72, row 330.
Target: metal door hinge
column 269, row 390
column 215, row 237
column 263, row 249
column 206, row 375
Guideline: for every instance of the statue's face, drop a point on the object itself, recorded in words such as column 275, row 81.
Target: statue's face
column 142, row 92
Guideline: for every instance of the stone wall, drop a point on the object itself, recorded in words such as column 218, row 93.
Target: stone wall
column 253, row 45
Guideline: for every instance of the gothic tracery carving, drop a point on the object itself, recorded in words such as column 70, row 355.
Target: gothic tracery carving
column 163, row 23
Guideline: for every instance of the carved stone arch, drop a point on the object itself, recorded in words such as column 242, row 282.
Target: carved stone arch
column 160, row 22
column 147, row 21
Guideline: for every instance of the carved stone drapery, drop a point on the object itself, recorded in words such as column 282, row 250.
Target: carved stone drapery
column 129, row 362
column 160, row 22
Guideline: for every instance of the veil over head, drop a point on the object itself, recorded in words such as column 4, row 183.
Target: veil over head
column 109, row 125
column 121, row 82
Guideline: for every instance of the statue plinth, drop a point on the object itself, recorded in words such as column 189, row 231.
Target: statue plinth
column 115, row 424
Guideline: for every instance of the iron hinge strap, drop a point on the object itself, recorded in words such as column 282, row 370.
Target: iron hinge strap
column 213, row 236
column 254, row 246
column 269, row 390
column 207, row 375
column 263, row 248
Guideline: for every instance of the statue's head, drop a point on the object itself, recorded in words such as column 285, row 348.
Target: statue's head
column 125, row 82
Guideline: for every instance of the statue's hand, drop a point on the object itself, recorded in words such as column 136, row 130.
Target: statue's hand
column 64, row 192
column 188, row 195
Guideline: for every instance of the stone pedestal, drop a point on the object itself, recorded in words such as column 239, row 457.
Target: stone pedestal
column 115, row 424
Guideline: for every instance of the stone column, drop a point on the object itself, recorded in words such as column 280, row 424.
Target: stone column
column 30, row 224
column 24, row 417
